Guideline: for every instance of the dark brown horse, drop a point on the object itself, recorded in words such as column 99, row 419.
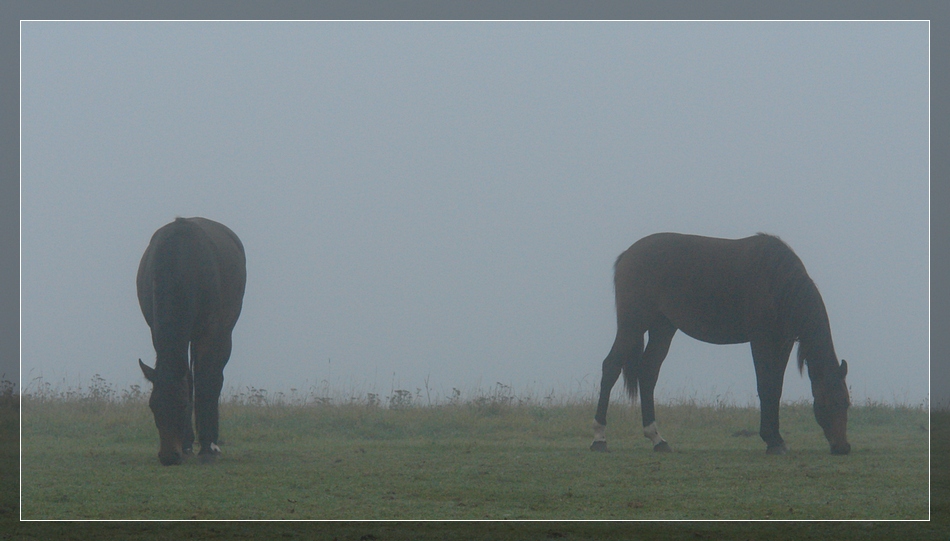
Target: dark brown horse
column 723, row 291
column 190, row 287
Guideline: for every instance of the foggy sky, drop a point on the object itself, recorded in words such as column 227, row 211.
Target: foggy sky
column 440, row 203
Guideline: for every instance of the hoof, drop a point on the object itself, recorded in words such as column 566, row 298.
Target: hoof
column 777, row 450
column 599, row 446
column 662, row 447
column 208, row 455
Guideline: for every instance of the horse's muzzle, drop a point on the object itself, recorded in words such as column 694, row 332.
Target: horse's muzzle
column 841, row 449
column 170, row 459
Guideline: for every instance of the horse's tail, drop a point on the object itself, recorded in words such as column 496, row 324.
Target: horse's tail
column 631, row 363
column 631, row 376
column 176, row 272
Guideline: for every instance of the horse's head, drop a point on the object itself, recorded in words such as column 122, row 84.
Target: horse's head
column 169, row 405
column 831, row 406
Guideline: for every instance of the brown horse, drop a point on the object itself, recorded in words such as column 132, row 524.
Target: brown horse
column 190, row 287
column 723, row 291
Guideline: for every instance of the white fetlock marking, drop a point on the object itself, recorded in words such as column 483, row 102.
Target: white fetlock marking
column 653, row 434
column 600, row 432
column 215, row 448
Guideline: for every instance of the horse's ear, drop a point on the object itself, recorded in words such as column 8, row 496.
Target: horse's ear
column 148, row 371
column 844, row 368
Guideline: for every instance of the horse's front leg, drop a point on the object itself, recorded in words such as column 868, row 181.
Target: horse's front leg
column 768, row 425
column 769, row 375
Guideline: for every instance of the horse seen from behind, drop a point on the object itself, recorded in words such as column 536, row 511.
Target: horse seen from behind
column 723, row 291
column 190, row 287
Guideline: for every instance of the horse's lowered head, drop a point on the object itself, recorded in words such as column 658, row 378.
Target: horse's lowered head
column 169, row 404
column 831, row 404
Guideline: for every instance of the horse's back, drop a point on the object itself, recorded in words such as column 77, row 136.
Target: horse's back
column 231, row 250
column 208, row 259
column 670, row 262
column 231, row 262
column 702, row 285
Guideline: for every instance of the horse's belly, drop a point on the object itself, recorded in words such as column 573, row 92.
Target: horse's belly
column 711, row 330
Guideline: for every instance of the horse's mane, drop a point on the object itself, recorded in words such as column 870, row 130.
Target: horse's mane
column 801, row 309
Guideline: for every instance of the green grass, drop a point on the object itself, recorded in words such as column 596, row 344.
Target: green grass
column 873, row 421
column 96, row 460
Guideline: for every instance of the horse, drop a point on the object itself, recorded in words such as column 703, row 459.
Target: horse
column 723, row 291
column 190, row 287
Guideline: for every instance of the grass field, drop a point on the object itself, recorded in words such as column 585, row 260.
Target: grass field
column 482, row 459
column 488, row 459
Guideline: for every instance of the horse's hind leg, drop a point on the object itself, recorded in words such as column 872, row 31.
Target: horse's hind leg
column 627, row 348
column 188, row 441
column 209, row 379
column 658, row 346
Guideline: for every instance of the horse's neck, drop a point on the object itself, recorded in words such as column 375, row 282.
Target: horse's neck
column 814, row 335
column 816, row 343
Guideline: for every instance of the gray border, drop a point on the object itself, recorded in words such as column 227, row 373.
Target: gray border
column 936, row 11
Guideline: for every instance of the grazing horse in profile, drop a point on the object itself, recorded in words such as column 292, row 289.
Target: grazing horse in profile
column 723, row 291
column 190, row 287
